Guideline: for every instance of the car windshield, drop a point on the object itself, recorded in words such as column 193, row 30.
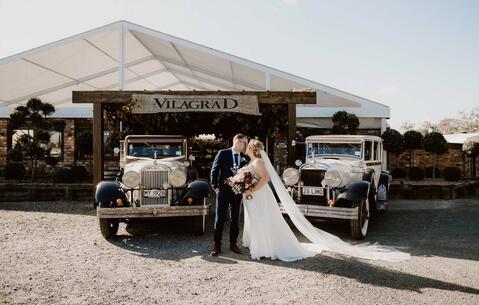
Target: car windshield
column 148, row 150
column 348, row 149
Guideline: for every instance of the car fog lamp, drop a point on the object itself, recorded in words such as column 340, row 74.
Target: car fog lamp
column 177, row 178
column 290, row 176
column 190, row 200
column 332, row 178
column 131, row 179
column 298, row 162
column 187, row 163
column 119, row 202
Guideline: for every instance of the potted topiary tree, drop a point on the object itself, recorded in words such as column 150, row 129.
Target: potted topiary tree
column 32, row 117
column 393, row 142
column 435, row 143
column 412, row 140
column 345, row 123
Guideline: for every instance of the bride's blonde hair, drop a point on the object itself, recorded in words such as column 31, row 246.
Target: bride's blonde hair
column 256, row 146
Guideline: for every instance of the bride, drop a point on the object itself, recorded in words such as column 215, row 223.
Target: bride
column 267, row 234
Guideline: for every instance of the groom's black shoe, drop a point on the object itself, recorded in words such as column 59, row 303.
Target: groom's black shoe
column 216, row 250
column 235, row 249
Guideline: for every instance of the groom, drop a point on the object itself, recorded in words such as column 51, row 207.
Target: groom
column 226, row 162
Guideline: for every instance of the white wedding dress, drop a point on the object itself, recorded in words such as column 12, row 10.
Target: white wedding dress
column 267, row 234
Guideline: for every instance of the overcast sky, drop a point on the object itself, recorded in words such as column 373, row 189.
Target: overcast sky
column 419, row 57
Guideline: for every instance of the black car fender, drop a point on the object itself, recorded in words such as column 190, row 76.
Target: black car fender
column 107, row 193
column 196, row 190
column 355, row 191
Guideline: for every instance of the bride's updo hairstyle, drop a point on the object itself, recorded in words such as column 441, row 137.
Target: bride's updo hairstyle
column 256, row 146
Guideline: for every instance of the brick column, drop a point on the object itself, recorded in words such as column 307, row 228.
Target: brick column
column 69, row 142
column 3, row 142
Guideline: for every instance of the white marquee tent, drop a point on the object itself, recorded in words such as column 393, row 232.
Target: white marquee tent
column 127, row 56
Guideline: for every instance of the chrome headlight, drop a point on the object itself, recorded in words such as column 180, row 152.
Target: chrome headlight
column 131, row 179
column 291, row 176
column 177, row 178
column 332, row 178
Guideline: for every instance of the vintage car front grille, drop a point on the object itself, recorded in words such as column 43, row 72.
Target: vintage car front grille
column 313, row 177
column 153, row 178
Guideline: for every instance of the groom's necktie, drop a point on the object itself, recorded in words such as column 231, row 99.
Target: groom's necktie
column 236, row 160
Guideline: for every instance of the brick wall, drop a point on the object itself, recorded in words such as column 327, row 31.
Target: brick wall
column 454, row 157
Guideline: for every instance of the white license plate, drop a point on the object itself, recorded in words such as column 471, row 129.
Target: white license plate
column 314, row 191
column 154, row 193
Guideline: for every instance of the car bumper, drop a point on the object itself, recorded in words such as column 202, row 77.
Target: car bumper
column 326, row 211
column 153, row 212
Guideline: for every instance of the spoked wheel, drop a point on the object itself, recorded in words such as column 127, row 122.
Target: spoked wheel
column 109, row 227
column 359, row 227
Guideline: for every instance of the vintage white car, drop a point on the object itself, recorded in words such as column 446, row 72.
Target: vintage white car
column 343, row 177
column 156, row 180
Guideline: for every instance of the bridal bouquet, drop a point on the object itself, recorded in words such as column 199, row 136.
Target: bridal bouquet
column 242, row 181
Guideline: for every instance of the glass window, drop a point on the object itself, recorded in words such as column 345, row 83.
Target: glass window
column 16, row 134
column 376, row 151
column 55, row 145
column 367, row 150
column 149, row 149
column 348, row 149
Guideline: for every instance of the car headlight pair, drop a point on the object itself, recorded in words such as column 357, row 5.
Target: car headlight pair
column 176, row 178
column 332, row 178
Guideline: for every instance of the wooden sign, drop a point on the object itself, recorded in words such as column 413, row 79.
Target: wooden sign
column 154, row 103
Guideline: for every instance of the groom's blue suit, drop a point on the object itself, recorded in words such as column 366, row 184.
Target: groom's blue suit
column 220, row 171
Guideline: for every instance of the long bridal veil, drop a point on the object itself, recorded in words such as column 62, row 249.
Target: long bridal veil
column 321, row 240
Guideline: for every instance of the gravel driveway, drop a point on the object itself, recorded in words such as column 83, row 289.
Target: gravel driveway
column 53, row 253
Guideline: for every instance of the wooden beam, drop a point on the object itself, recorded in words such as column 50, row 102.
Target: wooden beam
column 291, row 133
column 264, row 97
column 97, row 168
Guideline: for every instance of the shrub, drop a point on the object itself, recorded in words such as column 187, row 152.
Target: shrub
column 399, row 173
column 14, row 171
column 412, row 140
column 428, row 172
column 52, row 161
column 393, row 142
column 15, row 155
column 79, row 173
column 62, row 175
column 416, row 173
column 452, row 173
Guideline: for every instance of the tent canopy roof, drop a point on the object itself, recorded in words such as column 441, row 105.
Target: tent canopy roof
column 127, row 56
column 460, row 138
